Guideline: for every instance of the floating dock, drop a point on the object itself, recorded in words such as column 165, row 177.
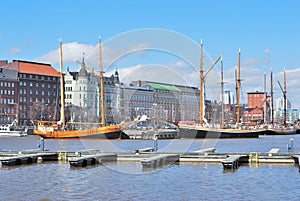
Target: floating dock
column 149, row 159
column 21, row 159
column 86, row 160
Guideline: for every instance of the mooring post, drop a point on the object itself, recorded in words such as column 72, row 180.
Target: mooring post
column 292, row 145
column 155, row 146
column 42, row 144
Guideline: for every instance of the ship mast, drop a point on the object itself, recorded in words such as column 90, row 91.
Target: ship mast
column 62, row 89
column 284, row 99
column 201, row 85
column 222, row 91
column 272, row 100
column 101, row 86
column 265, row 98
column 238, row 89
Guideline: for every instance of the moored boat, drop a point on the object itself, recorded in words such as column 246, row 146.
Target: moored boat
column 290, row 131
column 9, row 131
column 62, row 131
column 195, row 132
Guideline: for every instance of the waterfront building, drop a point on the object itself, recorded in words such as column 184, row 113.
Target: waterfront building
column 228, row 97
column 173, row 102
column 255, row 111
column 82, row 96
column 34, row 91
column 292, row 116
column 132, row 102
column 8, row 100
column 280, row 104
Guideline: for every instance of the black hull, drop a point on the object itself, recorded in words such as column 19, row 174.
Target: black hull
column 218, row 134
column 281, row 132
column 110, row 136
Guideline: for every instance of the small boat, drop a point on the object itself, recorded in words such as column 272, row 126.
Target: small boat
column 9, row 131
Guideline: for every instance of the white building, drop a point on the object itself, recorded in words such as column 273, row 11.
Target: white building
column 82, row 93
column 280, row 104
column 228, row 98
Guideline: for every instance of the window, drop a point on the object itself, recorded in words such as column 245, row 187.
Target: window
column 36, row 92
column 24, row 91
column 30, row 84
column 43, row 85
column 43, row 77
column 49, row 86
column 24, row 84
column 30, row 91
column 21, row 83
column 37, row 84
column 12, row 84
column 30, row 76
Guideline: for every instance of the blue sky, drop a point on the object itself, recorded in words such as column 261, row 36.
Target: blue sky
column 266, row 31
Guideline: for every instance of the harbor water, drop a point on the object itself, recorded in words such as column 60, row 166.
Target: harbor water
column 127, row 181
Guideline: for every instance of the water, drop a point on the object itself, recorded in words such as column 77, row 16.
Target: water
column 127, row 181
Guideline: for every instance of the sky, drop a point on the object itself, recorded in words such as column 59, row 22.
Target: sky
column 159, row 40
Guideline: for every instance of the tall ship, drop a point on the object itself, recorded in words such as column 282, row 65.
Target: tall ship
column 63, row 129
column 199, row 131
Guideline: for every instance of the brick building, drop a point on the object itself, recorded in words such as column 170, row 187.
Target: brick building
column 30, row 90
column 255, row 109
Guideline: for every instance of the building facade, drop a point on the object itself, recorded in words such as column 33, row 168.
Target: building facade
column 36, row 91
column 173, row 102
column 256, row 111
column 82, row 96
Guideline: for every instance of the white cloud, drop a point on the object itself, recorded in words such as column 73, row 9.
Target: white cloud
column 71, row 51
column 75, row 50
column 267, row 51
column 13, row 51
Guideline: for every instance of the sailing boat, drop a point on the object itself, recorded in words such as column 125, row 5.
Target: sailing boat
column 202, row 132
column 103, row 131
column 285, row 130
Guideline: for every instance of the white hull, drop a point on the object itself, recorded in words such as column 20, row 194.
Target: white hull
column 12, row 134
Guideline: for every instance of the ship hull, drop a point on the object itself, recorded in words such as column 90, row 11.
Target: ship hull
column 281, row 132
column 107, row 132
column 218, row 133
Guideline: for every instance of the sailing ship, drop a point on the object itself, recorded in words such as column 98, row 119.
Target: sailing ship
column 187, row 131
column 284, row 130
column 55, row 130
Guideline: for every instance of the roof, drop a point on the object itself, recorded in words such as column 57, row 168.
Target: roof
column 164, row 87
column 37, row 69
